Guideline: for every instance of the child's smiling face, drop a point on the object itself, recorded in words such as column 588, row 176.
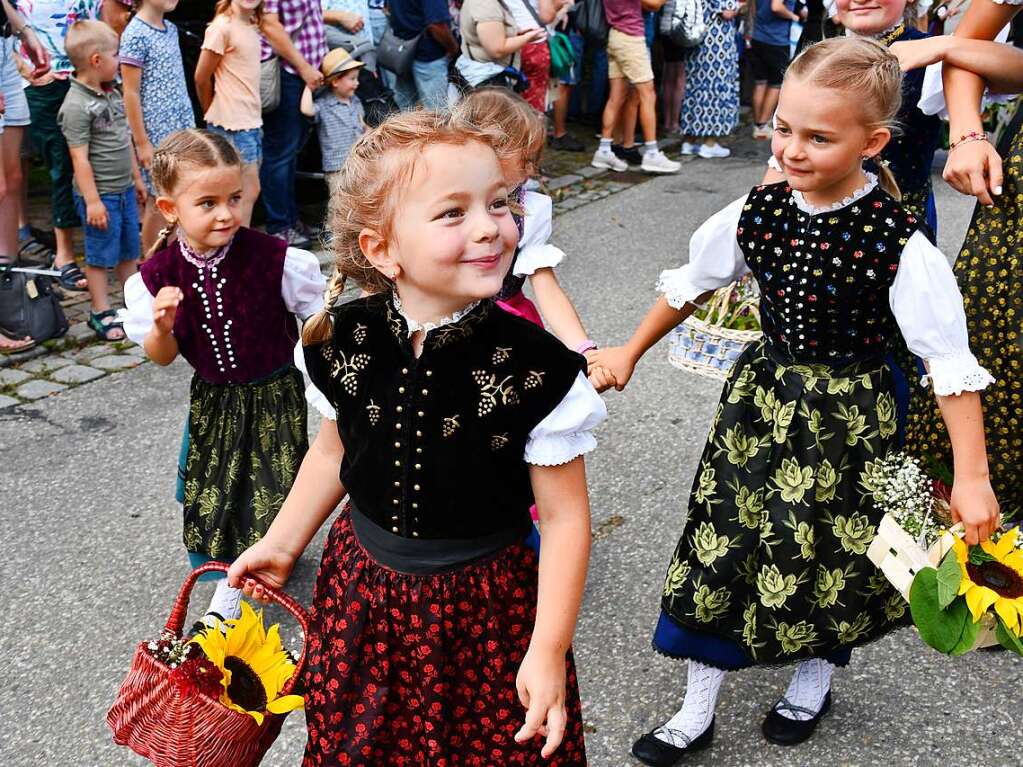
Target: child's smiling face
column 453, row 235
column 207, row 205
column 870, row 17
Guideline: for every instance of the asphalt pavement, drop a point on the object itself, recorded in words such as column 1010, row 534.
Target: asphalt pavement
column 93, row 555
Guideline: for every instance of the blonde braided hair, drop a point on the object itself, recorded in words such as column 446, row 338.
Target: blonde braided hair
column 868, row 72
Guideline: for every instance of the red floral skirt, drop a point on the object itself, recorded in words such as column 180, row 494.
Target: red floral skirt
column 536, row 65
column 420, row 670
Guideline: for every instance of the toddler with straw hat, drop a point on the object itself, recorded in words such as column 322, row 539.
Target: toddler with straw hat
column 335, row 109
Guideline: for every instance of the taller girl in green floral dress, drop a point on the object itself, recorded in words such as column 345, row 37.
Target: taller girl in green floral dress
column 771, row 567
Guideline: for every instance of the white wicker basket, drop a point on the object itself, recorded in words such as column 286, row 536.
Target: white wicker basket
column 900, row 558
column 704, row 346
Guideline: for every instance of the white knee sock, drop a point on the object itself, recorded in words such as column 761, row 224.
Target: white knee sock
column 810, row 683
column 697, row 710
column 226, row 601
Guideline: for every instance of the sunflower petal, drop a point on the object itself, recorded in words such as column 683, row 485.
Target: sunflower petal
column 285, row 704
column 979, row 599
column 1008, row 611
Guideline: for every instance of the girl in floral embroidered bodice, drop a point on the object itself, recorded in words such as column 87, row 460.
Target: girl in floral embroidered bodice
column 434, row 629
column 226, row 299
column 771, row 567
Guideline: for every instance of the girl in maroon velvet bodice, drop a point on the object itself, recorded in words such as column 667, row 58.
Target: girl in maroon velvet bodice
column 225, row 298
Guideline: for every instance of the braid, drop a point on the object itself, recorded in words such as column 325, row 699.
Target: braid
column 886, row 179
column 161, row 240
column 317, row 328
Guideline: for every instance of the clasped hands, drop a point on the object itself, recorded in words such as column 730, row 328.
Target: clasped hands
column 610, row 367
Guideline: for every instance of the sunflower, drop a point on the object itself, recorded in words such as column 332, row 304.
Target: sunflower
column 254, row 664
column 993, row 576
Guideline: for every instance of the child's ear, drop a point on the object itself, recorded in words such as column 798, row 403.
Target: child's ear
column 877, row 141
column 374, row 248
column 167, row 209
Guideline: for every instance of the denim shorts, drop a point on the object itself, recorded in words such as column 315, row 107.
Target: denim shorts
column 249, row 143
column 120, row 241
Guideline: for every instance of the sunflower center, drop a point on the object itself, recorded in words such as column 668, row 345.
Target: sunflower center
column 1001, row 579
column 245, row 689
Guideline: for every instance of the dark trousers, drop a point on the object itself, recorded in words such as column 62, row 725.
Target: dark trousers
column 284, row 130
column 44, row 102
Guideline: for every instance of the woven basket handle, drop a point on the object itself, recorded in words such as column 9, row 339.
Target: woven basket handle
column 176, row 620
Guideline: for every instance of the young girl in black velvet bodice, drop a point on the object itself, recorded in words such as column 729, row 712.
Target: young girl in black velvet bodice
column 434, row 629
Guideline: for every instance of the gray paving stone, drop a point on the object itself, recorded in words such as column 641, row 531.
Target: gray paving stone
column 7, row 401
column 590, row 172
column 80, row 332
column 38, row 388
column 616, row 186
column 45, row 364
column 116, row 361
column 571, row 203
column 76, row 374
column 137, row 351
column 562, row 181
column 10, row 377
column 90, row 353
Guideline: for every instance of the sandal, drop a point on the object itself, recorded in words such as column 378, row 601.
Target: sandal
column 10, row 345
column 70, row 275
column 104, row 329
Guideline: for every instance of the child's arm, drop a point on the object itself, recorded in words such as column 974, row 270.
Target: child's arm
column 95, row 210
column 131, row 77
column 141, row 193
column 283, row 46
column 564, row 509
column 204, row 69
column 973, row 501
column 557, row 308
column 306, row 106
column 1000, row 64
column 621, row 360
column 316, row 492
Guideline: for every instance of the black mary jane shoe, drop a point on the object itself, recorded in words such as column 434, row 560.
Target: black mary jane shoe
column 653, row 751
column 790, row 732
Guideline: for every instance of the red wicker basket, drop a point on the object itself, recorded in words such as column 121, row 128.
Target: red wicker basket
column 153, row 719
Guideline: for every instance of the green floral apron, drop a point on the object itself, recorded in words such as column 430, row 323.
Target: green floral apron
column 246, row 442
column 773, row 554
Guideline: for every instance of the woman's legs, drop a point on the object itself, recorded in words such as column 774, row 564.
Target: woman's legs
column 10, row 203
column 672, row 92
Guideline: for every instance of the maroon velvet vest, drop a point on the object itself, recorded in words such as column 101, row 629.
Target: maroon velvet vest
column 232, row 325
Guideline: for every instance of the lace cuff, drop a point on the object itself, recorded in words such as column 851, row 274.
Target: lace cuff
column 955, row 374
column 677, row 287
column 556, row 449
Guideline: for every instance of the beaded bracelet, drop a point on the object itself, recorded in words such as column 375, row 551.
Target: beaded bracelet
column 966, row 138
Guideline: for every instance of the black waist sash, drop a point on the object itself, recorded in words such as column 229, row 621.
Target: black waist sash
column 427, row 556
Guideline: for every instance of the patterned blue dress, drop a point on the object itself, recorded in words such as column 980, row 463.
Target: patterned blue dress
column 711, row 103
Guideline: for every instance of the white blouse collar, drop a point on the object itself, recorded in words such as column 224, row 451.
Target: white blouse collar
column 414, row 326
column 863, row 191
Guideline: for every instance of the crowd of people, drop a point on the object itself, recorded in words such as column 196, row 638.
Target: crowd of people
column 440, row 634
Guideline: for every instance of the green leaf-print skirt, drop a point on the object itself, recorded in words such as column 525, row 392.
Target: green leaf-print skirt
column 246, row 442
column 773, row 557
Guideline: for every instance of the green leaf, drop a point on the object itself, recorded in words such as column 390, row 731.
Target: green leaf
column 950, row 576
column 944, row 630
column 970, row 630
column 978, row 556
column 1007, row 639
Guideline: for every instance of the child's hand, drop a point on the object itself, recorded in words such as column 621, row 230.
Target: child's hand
column 541, row 686
column 616, row 360
column 264, row 561
column 916, row 54
column 96, row 215
column 144, row 152
column 974, row 504
column 601, row 379
column 975, row 168
column 165, row 308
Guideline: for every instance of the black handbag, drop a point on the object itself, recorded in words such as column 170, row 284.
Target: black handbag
column 591, row 21
column 395, row 54
column 28, row 305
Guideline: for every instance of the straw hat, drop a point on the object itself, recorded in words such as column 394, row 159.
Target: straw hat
column 337, row 62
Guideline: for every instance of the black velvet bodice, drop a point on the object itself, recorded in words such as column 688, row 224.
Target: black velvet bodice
column 434, row 446
column 824, row 278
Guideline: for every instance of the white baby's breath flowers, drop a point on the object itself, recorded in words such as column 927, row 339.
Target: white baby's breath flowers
column 907, row 494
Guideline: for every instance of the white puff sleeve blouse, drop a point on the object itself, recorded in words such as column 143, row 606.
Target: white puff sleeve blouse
column 535, row 252
column 924, row 297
